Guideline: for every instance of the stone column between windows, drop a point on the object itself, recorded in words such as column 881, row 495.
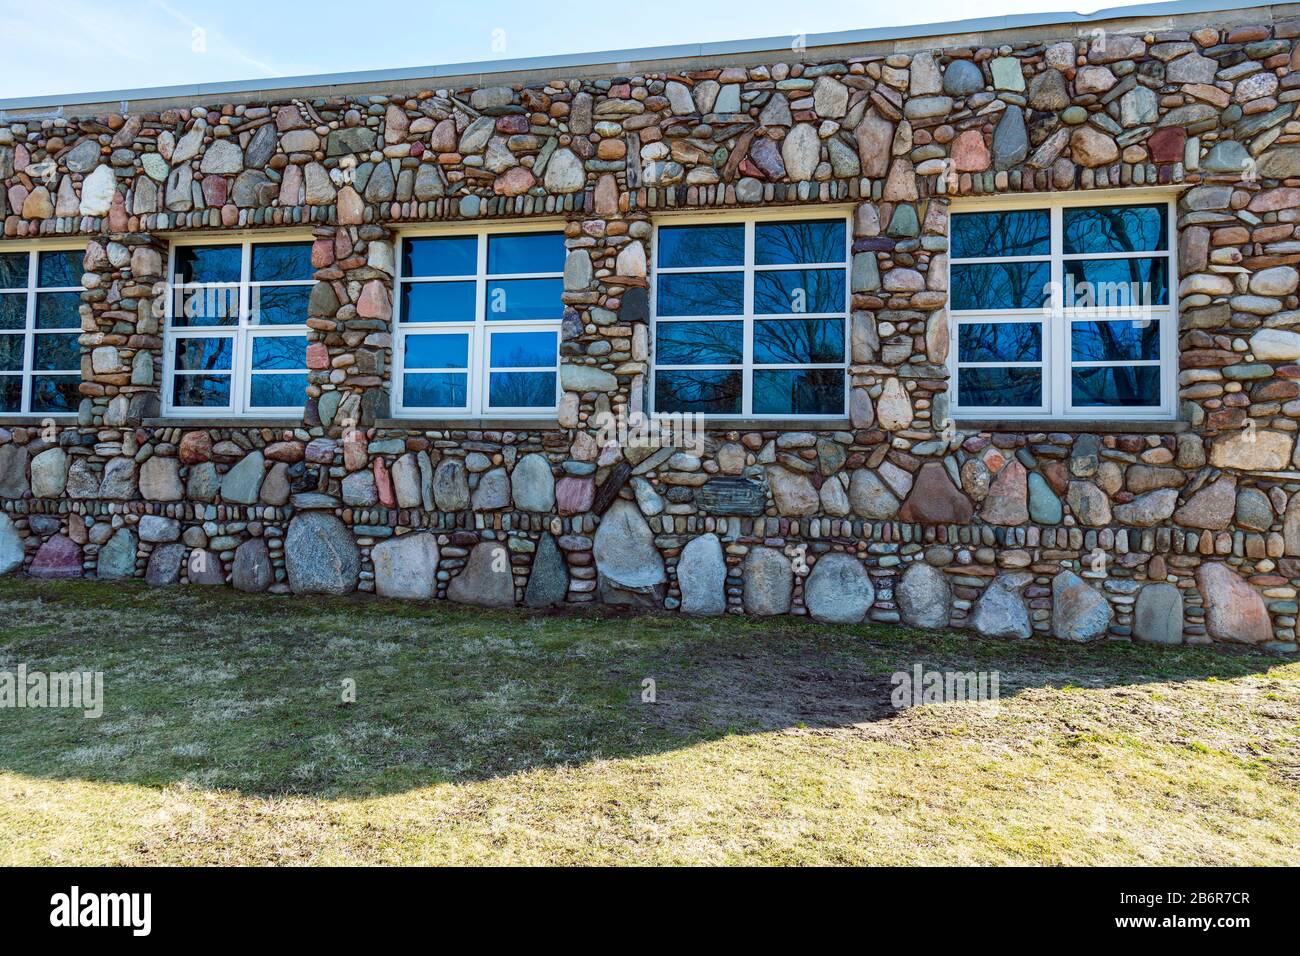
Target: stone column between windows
column 122, row 316
column 350, row 316
column 604, row 351
column 899, row 339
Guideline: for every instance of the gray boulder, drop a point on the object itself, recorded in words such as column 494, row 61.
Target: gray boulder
column 629, row 568
column 768, row 582
column 243, row 483
column 493, row 491
column 487, row 580
column 13, row 471
column 117, row 557
column 924, row 596
column 451, row 485
column 50, row 473
column 165, row 565
column 548, row 582
column 838, row 591
column 251, row 571
column 532, row 485
column 406, row 566
column 1000, row 610
column 1158, row 616
column 118, row 482
column 1080, row 612
column 160, row 480
column 11, row 545
column 702, row 576
column 320, row 555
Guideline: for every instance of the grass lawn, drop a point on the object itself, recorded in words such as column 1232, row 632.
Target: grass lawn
column 514, row 737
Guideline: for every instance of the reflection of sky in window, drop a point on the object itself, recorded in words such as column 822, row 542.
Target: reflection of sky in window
column 1000, row 285
column 272, row 352
column 208, row 263
column 525, row 252
column 1119, row 340
column 1000, row 387
column 434, row 390
column 437, row 351
column 277, row 391
column 1116, row 229
column 701, row 246
column 203, row 354
column 798, row 290
column 999, row 342
column 700, row 293
column 782, row 243
column 798, row 392
column 521, row 389
column 282, row 262
column 1116, row 283
column 980, row 235
column 523, row 350
column 699, row 343
column 440, row 256
column 798, row 341
column 1116, row 385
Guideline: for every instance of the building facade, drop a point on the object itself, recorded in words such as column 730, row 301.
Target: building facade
column 994, row 329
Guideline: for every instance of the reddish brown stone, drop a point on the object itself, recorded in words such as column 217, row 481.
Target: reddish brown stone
column 934, row 499
column 1166, row 145
column 195, row 447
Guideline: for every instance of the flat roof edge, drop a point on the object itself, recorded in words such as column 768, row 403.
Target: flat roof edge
column 641, row 54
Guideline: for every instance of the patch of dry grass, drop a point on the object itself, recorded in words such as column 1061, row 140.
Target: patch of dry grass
column 483, row 737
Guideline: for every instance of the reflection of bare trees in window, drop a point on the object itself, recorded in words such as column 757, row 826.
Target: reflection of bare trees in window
column 699, row 343
column 702, row 245
column 1000, row 342
column 1115, row 229
column 700, row 293
column 791, row 242
column 282, row 263
column 522, row 389
column 703, row 391
column 798, row 341
column 815, row 391
column 798, row 290
column 1000, row 285
column 1117, row 385
column 989, row 234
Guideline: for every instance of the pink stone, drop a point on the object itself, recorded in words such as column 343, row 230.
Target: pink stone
column 574, row 495
column 514, row 182
column 1008, row 496
column 512, row 124
column 287, row 451
column 322, row 253
column 1167, row 144
column 195, row 447
column 351, row 208
column 1271, row 200
column 214, row 190
column 934, row 499
column 1234, row 611
column 384, row 484
column 969, row 152
column 374, row 303
column 318, row 356
column 57, row 558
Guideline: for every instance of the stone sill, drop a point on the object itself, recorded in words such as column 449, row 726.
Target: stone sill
column 36, row 421
column 224, row 422
column 1074, row 426
column 468, row 424
column 778, row 425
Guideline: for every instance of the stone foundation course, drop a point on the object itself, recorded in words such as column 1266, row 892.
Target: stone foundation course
column 1184, row 530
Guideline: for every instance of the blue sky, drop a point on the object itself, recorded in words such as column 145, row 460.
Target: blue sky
column 72, row 46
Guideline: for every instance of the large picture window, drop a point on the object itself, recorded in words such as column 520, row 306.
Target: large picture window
column 40, row 324
column 1063, row 310
column 478, row 323
column 237, row 328
column 751, row 318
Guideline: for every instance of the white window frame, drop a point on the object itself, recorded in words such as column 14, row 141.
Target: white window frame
column 748, row 366
column 29, row 332
column 242, row 334
column 1057, row 322
column 480, row 330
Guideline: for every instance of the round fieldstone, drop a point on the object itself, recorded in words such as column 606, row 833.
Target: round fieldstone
column 11, row 545
column 768, row 581
column 165, row 565
column 321, row 555
column 702, row 576
column 838, row 591
column 406, row 566
column 451, row 485
column 50, row 473
column 13, row 471
column 1234, row 611
column 117, row 557
column 962, row 78
column 924, row 596
column 160, row 480
column 532, row 485
column 629, row 568
column 243, row 483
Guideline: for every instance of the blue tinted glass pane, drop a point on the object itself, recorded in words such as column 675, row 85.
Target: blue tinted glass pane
column 698, row 246
column 13, row 270
column 524, row 350
column 279, row 352
column 208, row 263
column 437, row 351
column 58, row 310
column 981, row 235
column 199, row 308
column 59, row 269
column 441, row 390
column 1000, row 387
column 526, row 252
column 279, row 305
column 999, row 342
column 798, row 290
column 813, row 391
column 701, row 293
column 1000, row 285
column 57, row 353
column 1116, row 229
column 521, row 389
column 798, row 341
column 438, row 302
column 282, row 262
column 13, row 311
column 513, row 300
column 440, row 256
column 1116, row 386
column 55, row 394
column 699, row 343
column 202, row 355
column 11, row 352
column 11, row 393
column 1116, row 283
column 781, row 243
column 710, row 391
column 1116, row 341
column 201, row 391
column 277, row 391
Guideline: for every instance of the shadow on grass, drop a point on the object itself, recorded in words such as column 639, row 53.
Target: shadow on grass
column 246, row 693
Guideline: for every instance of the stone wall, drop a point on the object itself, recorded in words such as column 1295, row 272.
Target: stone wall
column 1182, row 531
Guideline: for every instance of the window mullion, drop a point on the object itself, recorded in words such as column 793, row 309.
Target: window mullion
column 1057, row 371
column 747, row 338
column 477, row 390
